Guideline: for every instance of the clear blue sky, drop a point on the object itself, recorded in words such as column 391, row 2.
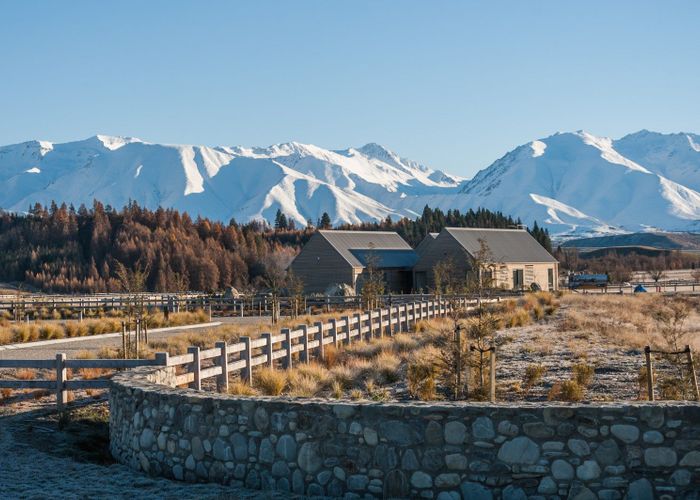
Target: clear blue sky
column 452, row 84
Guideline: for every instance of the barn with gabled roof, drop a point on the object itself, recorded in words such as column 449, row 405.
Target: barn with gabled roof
column 341, row 257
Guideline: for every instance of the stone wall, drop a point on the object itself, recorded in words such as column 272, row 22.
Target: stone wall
column 445, row 451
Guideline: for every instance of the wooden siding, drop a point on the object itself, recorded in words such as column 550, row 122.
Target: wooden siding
column 444, row 247
column 320, row 265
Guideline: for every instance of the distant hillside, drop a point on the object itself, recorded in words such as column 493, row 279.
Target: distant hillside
column 660, row 241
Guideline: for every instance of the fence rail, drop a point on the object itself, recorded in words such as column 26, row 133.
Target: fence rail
column 28, row 307
column 308, row 341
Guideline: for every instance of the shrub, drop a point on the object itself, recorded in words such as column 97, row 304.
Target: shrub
column 343, row 375
column 302, row 385
column 375, row 392
column 241, row 389
column 583, row 374
column 330, row 356
column 421, row 380
column 50, row 331
column 568, row 390
column 336, row 389
column 25, row 374
column 533, row 375
column 356, row 394
column 519, row 317
column 270, row 382
column 5, row 392
column 387, row 367
column 538, row 312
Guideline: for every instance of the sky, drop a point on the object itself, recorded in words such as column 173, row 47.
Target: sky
column 452, row 84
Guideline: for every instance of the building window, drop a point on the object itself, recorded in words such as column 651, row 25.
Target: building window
column 550, row 278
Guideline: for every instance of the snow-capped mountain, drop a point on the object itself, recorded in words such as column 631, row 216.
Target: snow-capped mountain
column 222, row 182
column 572, row 183
column 580, row 183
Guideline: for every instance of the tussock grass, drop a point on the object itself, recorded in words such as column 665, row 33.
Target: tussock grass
column 270, row 382
column 30, row 332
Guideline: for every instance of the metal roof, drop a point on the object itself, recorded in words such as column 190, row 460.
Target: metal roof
column 387, row 258
column 345, row 241
column 506, row 245
column 425, row 242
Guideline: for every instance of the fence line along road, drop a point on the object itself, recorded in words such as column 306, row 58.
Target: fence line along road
column 307, row 341
column 30, row 306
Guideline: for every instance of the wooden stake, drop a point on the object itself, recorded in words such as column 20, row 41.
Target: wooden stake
column 492, row 384
column 693, row 376
column 650, row 374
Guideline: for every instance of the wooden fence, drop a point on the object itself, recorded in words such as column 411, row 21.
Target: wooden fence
column 269, row 350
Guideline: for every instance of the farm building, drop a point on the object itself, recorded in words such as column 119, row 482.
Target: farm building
column 517, row 260
column 341, row 257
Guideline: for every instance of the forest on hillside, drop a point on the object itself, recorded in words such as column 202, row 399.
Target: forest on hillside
column 61, row 249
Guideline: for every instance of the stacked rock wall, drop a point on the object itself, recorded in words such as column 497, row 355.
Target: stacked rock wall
column 398, row 450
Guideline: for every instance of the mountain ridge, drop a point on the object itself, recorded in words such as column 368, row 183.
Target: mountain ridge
column 651, row 180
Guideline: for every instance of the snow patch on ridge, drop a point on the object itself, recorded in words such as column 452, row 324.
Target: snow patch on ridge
column 538, row 148
column 694, row 145
column 113, row 143
column 33, row 170
column 604, row 144
column 195, row 181
column 685, row 203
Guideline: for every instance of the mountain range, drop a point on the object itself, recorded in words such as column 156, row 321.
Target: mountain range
column 575, row 184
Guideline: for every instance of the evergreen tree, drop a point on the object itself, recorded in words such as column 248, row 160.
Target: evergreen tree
column 325, row 221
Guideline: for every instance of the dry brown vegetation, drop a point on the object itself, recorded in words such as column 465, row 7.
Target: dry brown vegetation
column 29, row 332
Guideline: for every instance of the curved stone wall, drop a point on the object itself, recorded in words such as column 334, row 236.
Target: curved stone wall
column 443, row 450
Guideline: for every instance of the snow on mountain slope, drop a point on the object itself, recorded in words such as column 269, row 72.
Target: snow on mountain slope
column 572, row 183
column 577, row 182
column 304, row 181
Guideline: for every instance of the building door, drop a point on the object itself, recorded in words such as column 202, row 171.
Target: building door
column 518, row 279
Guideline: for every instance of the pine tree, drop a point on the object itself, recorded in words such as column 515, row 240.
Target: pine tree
column 325, row 221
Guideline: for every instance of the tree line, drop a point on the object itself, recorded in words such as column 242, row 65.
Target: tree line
column 61, row 249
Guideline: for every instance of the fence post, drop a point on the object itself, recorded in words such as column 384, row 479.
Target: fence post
column 334, row 332
column 288, row 347
column 210, row 312
column 162, row 358
column 222, row 382
column 358, row 320
column 137, row 328
column 196, row 368
column 492, row 374
column 321, row 351
column 268, row 348
column 305, row 343
column 693, row 376
column 247, row 356
column 381, row 323
column 650, row 374
column 124, row 353
column 347, row 329
column 61, row 393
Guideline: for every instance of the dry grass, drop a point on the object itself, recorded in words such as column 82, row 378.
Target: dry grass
column 568, row 390
column 25, row 374
column 269, row 381
column 241, row 389
column 533, row 375
column 29, row 332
